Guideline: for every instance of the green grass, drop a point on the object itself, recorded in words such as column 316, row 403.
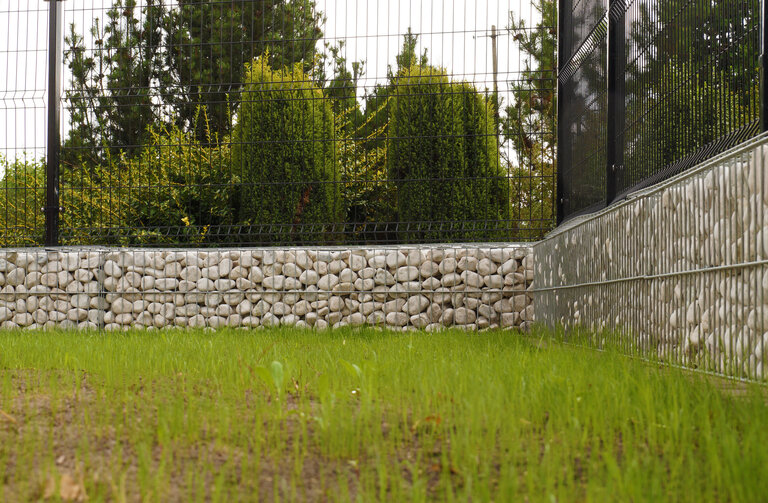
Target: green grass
column 366, row 415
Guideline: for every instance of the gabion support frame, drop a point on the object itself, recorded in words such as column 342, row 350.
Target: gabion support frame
column 677, row 272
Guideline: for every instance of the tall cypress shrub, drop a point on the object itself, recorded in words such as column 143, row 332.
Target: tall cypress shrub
column 284, row 145
column 443, row 154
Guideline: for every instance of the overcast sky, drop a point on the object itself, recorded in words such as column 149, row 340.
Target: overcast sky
column 455, row 33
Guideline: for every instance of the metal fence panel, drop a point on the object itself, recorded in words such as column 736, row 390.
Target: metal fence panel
column 23, row 103
column 582, row 123
column 657, row 87
column 691, row 85
column 276, row 122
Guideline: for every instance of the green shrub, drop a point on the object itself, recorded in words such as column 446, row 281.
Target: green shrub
column 88, row 198
column 443, row 154
column 179, row 190
column 22, row 196
column 176, row 191
column 284, row 146
column 368, row 194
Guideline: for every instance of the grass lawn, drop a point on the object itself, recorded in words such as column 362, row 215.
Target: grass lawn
column 365, row 415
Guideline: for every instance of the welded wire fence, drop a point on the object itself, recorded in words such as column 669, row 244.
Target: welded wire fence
column 649, row 89
column 582, row 106
column 274, row 122
column 23, row 84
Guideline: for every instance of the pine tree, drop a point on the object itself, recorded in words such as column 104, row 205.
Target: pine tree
column 153, row 64
column 529, row 124
column 110, row 99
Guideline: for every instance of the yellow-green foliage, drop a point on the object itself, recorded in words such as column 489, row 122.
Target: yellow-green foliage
column 22, row 196
column 367, row 192
column 284, row 147
column 176, row 183
column 443, row 154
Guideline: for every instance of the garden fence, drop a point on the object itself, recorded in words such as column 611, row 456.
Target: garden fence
column 648, row 89
column 274, row 122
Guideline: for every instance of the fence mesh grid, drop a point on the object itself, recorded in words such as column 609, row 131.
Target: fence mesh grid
column 273, row 122
column 691, row 85
column 685, row 87
column 23, row 84
column 583, row 106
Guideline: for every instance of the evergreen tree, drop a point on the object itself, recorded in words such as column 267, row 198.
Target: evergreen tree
column 369, row 191
column 341, row 88
column 529, row 124
column 154, row 63
column 443, row 155
column 110, row 100
column 284, row 147
column 209, row 43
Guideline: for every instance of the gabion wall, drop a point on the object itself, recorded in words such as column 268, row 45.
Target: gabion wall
column 428, row 287
column 677, row 272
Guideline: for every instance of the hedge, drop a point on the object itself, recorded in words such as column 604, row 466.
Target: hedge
column 443, row 154
column 284, row 147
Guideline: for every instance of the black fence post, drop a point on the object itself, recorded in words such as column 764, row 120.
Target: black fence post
column 616, row 96
column 52, row 209
column 563, row 9
column 764, row 66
